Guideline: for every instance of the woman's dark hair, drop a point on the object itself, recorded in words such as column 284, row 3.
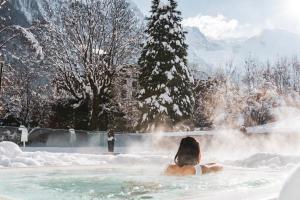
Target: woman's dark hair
column 188, row 152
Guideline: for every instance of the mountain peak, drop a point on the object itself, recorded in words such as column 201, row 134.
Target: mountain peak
column 271, row 33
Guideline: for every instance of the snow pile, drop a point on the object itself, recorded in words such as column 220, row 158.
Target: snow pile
column 266, row 160
column 288, row 125
column 290, row 190
column 9, row 149
column 12, row 156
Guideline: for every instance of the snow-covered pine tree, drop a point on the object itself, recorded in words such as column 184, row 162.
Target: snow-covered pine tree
column 166, row 96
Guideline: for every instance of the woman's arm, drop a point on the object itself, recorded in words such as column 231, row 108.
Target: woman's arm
column 211, row 167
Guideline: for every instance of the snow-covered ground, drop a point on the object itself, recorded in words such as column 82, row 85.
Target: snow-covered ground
column 290, row 190
column 290, row 125
column 136, row 173
column 12, row 156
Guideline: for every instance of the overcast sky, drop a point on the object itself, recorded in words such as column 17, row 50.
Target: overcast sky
column 222, row 19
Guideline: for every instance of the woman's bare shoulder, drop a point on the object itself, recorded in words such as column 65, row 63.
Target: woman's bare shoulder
column 174, row 170
column 170, row 169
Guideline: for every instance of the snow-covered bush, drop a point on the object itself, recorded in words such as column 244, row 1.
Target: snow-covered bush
column 259, row 106
column 249, row 98
column 205, row 102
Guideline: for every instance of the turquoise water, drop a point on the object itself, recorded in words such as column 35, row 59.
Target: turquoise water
column 129, row 183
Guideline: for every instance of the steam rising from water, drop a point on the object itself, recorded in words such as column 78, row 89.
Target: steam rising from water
column 281, row 138
column 275, row 144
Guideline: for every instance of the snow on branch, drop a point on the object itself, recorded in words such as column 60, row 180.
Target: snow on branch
column 32, row 40
column 2, row 2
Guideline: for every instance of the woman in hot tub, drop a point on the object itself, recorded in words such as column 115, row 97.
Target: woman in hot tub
column 187, row 160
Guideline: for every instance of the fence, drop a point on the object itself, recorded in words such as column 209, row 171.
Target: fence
column 42, row 137
column 8, row 133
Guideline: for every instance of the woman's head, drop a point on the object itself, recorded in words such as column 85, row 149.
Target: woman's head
column 188, row 152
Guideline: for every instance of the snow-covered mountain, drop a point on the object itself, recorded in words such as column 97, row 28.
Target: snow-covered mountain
column 203, row 52
column 20, row 15
column 268, row 45
column 25, row 12
column 271, row 44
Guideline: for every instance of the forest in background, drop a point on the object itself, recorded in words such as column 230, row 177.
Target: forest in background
column 68, row 71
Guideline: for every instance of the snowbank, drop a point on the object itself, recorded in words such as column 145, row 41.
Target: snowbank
column 12, row 156
column 290, row 190
column 288, row 125
column 9, row 149
column 269, row 160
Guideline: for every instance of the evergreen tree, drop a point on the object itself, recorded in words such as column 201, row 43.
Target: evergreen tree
column 166, row 96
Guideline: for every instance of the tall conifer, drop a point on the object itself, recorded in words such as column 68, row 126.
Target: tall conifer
column 166, row 96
